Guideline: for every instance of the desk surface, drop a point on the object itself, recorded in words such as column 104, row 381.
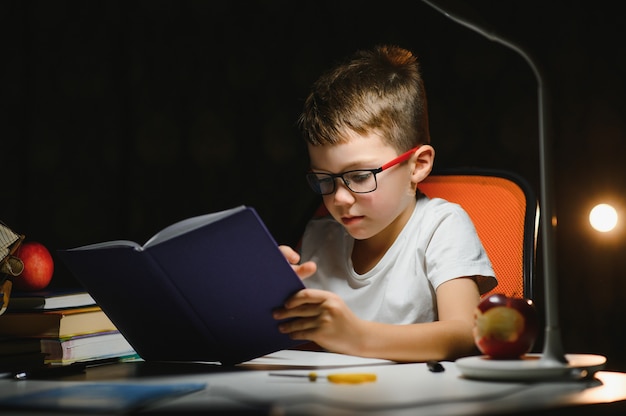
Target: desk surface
column 400, row 389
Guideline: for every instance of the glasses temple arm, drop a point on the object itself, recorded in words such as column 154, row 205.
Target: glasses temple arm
column 399, row 159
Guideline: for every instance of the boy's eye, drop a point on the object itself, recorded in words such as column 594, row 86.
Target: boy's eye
column 359, row 176
column 324, row 180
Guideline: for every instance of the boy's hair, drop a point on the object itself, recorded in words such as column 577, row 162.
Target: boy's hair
column 379, row 90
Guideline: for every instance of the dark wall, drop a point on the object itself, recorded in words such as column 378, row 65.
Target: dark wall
column 118, row 118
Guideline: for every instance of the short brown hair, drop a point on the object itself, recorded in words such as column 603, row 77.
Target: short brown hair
column 378, row 90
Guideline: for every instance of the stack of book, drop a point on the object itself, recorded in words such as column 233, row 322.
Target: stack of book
column 57, row 327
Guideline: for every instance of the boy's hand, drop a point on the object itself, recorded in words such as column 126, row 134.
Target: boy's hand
column 303, row 270
column 321, row 317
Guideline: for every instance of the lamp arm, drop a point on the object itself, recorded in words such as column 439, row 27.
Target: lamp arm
column 553, row 346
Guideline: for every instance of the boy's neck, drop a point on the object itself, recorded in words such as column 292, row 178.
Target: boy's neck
column 368, row 252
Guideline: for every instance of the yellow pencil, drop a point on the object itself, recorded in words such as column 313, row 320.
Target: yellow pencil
column 338, row 378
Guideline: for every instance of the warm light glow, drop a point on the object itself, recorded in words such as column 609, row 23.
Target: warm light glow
column 603, row 217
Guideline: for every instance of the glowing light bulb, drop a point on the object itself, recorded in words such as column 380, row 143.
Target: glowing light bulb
column 603, row 218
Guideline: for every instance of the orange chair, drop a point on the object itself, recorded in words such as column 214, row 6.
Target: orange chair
column 505, row 212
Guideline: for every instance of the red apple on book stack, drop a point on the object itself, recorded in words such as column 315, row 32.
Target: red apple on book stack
column 506, row 327
column 38, row 267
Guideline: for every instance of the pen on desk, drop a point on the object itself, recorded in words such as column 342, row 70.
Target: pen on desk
column 338, row 378
column 435, row 366
column 50, row 371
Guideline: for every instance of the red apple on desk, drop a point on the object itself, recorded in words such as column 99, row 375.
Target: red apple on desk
column 506, row 327
column 38, row 267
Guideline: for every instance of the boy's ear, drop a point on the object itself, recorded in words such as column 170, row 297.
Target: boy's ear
column 423, row 161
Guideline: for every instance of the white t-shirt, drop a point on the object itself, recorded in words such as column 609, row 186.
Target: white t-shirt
column 439, row 243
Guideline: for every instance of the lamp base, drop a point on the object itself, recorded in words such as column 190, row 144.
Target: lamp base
column 531, row 367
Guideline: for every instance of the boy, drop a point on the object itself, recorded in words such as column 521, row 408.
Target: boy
column 390, row 273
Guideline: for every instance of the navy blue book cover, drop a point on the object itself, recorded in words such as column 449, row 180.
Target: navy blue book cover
column 201, row 290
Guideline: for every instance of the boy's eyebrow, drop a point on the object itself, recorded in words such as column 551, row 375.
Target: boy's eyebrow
column 351, row 166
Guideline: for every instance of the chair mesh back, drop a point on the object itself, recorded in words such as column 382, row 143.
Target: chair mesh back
column 497, row 206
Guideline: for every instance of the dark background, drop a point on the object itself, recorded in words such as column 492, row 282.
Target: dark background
column 118, row 118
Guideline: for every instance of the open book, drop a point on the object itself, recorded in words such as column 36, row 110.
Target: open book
column 202, row 289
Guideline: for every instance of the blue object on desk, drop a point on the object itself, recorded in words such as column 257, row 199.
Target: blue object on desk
column 97, row 398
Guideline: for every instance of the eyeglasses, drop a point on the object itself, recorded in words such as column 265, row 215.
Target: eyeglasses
column 359, row 181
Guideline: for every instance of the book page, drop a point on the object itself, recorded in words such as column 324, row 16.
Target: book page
column 110, row 244
column 189, row 224
column 167, row 233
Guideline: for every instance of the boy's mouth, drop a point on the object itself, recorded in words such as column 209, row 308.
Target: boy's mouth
column 351, row 220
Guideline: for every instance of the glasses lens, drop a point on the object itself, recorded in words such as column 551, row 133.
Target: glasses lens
column 360, row 181
column 321, row 183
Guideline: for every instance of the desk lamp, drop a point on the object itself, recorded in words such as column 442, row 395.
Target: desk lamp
column 553, row 362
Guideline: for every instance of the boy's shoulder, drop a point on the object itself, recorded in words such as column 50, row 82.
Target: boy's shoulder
column 437, row 208
column 436, row 204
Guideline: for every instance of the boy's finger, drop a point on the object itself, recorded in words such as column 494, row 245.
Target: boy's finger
column 290, row 254
column 305, row 269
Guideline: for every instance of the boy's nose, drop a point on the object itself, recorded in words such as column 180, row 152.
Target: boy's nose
column 343, row 195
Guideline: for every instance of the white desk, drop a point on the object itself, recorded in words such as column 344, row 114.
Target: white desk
column 400, row 389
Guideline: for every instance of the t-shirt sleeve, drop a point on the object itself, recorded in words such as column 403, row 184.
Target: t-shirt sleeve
column 455, row 250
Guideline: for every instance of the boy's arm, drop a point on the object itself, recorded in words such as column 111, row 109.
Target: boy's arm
column 448, row 338
column 325, row 319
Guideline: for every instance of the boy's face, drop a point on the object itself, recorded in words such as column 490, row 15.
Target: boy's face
column 364, row 215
